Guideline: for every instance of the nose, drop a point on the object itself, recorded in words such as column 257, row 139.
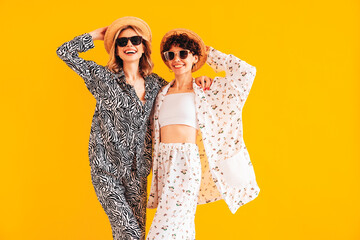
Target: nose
column 176, row 57
column 129, row 44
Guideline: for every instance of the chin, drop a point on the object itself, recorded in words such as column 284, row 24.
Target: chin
column 181, row 71
column 131, row 58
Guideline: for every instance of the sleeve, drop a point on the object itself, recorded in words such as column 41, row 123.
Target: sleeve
column 238, row 72
column 69, row 53
column 148, row 143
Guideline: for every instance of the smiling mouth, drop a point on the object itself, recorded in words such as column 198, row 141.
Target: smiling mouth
column 178, row 66
column 130, row 52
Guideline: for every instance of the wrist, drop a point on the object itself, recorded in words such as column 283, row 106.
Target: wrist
column 93, row 35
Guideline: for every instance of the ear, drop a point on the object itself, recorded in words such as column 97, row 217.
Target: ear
column 196, row 59
column 143, row 48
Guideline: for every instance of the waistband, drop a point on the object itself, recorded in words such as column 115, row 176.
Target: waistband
column 178, row 146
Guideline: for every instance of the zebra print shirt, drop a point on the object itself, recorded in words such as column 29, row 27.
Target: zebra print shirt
column 120, row 131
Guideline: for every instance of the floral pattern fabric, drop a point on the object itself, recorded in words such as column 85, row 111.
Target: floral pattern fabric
column 179, row 174
column 229, row 174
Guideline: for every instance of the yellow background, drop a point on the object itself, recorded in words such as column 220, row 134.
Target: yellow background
column 301, row 120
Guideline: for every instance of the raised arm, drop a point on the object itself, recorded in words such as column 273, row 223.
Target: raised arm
column 69, row 53
column 238, row 72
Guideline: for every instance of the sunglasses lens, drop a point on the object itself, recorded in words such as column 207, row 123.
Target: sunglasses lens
column 183, row 54
column 136, row 40
column 169, row 55
column 122, row 42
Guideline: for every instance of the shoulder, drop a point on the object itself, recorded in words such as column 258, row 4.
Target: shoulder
column 98, row 69
column 157, row 79
column 102, row 72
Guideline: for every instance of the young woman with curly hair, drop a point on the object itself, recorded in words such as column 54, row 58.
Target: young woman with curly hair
column 186, row 119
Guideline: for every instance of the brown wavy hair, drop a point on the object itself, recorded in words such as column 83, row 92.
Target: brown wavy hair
column 146, row 65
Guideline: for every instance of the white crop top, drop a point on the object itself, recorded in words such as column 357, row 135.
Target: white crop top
column 178, row 108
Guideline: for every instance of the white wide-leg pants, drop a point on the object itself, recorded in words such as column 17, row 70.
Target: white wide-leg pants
column 180, row 168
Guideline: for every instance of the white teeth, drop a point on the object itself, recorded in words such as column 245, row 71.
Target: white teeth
column 130, row 51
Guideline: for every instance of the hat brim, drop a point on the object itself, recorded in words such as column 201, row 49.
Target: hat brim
column 192, row 35
column 114, row 27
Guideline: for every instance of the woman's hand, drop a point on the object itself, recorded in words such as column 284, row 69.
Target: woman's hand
column 207, row 49
column 99, row 33
column 204, row 82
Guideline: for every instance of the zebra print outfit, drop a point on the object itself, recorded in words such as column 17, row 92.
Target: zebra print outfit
column 120, row 139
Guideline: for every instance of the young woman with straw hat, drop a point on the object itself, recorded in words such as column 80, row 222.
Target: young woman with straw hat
column 183, row 176
column 120, row 140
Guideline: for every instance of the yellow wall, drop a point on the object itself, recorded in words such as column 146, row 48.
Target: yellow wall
column 301, row 120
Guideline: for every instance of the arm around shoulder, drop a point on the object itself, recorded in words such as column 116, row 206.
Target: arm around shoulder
column 162, row 82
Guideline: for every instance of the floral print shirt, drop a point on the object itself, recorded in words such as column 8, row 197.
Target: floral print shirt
column 227, row 172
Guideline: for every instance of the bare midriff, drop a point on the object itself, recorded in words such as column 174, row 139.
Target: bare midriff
column 178, row 133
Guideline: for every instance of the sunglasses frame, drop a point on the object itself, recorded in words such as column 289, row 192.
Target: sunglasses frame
column 167, row 58
column 132, row 40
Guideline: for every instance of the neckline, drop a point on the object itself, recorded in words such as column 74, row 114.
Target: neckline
column 121, row 78
column 179, row 93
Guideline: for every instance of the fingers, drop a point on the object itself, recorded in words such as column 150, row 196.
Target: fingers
column 200, row 82
column 207, row 82
column 197, row 81
column 102, row 32
column 210, row 82
column 203, row 82
column 104, row 29
column 207, row 49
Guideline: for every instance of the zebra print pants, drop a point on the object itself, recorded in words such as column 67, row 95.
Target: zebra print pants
column 124, row 202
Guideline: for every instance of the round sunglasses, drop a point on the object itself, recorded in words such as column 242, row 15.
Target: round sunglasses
column 170, row 55
column 123, row 41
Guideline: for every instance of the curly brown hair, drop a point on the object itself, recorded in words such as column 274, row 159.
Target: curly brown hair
column 182, row 40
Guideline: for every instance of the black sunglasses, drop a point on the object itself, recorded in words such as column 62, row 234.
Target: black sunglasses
column 169, row 55
column 123, row 41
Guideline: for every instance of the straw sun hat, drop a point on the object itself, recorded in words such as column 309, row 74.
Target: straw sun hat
column 191, row 35
column 125, row 21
